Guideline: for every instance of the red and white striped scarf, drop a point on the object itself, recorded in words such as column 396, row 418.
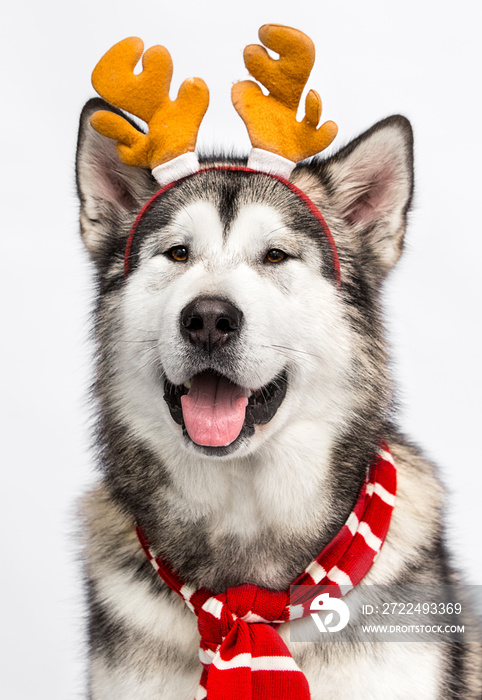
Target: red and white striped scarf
column 245, row 660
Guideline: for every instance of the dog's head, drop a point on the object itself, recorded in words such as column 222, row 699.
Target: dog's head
column 225, row 322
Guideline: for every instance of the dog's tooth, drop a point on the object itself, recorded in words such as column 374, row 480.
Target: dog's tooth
column 250, row 393
column 187, row 384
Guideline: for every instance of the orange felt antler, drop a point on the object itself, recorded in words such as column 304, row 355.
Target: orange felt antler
column 173, row 124
column 271, row 119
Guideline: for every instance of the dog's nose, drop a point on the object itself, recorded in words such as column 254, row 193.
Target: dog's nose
column 209, row 322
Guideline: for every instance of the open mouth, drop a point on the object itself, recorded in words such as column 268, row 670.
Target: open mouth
column 215, row 413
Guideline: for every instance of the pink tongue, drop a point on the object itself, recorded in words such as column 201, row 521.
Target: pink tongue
column 214, row 410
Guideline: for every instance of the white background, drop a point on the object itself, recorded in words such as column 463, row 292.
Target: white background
column 421, row 59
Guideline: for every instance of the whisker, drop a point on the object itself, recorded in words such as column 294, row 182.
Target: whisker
column 151, row 361
column 301, row 352
column 275, row 230
column 264, row 394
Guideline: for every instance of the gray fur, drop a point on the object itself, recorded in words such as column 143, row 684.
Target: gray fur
column 262, row 510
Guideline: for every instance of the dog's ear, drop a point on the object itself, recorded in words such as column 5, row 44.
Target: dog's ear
column 369, row 183
column 110, row 192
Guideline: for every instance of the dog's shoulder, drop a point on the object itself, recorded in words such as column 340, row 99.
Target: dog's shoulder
column 132, row 611
column 414, row 546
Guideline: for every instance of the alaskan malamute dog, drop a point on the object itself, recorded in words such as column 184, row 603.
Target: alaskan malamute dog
column 241, row 394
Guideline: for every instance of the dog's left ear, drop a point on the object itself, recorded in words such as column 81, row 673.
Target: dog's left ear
column 370, row 185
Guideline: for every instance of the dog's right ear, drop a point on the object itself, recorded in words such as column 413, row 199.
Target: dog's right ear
column 110, row 192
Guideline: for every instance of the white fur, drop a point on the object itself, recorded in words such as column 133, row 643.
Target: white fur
column 395, row 672
column 131, row 601
column 120, row 683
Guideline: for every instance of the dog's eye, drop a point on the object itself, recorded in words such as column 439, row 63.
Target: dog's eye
column 178, row 253
column 275, row 255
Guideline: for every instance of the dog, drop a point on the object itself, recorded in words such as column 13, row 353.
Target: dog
column 242, row 388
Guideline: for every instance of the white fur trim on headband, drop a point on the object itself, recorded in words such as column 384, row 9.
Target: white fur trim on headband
column 175, row 169
column 267, row 162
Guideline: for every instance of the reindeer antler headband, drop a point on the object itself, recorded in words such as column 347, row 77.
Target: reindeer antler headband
column 279, row 140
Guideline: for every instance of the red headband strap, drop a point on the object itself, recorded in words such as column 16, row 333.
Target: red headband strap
column 230, row 168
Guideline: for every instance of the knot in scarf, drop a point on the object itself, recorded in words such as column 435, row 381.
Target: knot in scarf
column 246, row 603
column 243, row 656
column 240, row 649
